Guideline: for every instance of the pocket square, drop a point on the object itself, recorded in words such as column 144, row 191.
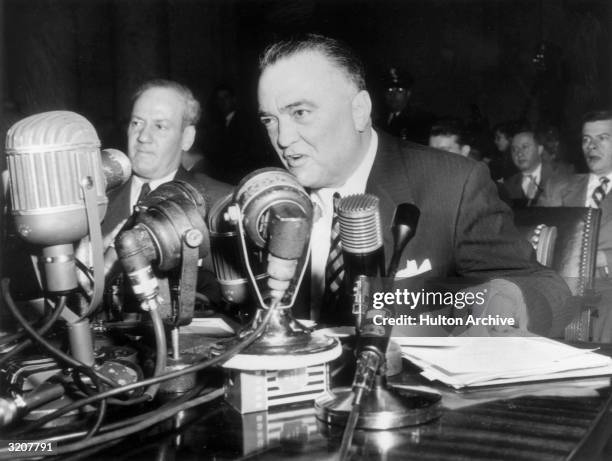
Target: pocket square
column 412, row 269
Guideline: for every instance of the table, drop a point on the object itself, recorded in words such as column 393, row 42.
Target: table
column 546, row 421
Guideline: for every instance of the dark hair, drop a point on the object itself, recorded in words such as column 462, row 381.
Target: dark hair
column 335, row 50
column 526, row 127
column 597, row 116
column 451, row 127
column 191, row 115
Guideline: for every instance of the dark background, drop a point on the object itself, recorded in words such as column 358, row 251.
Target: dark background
column 88, row 56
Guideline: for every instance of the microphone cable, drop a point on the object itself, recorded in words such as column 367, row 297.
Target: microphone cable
column 59, row 307
column 225, row 356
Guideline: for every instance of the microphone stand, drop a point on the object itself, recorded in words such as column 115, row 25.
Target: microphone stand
column 371, row 403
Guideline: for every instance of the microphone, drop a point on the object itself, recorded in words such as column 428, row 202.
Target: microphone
column 274, row 211
column 169, row 228
column 55, row 167
column 362, row 244
column 403, row 229
column 116, row 167
column 289, row 234
column 226, row 257
column 374, row 339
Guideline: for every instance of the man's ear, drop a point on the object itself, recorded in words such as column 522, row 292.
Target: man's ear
column 362, row 109
column 540, row 150
column 188, row 137
column 465, row 150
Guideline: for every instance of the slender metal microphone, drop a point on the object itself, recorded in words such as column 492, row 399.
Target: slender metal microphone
column 361, row 236
column 362, row 247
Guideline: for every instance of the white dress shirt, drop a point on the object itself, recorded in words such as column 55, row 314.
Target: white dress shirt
column 321, row 229
column 137, row 184
column 537, row 179
column 592, row 185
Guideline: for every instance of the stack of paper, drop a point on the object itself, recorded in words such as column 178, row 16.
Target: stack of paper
column 485, row 361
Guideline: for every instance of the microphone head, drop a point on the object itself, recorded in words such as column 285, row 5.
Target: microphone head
column 116, row 167
column 225, row 252
column 407, row 214
column 263, row 189
column 175, row 213
column 360, row 228
column 49, row 155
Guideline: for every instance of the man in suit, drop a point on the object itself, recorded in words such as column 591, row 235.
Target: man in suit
column 315, row 107
column 525, row 187
column 161, row 128
column 451, row 135
column 591, row 190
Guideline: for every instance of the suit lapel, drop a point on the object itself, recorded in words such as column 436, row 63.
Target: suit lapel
column 118, row 207
column 575, row 193
column 389, row 169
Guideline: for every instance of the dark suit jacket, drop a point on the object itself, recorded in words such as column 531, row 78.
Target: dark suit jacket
column 514, row 183
column 464, row 228
column 571, row 191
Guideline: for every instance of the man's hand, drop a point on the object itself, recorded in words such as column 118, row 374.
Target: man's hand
column 503, row 299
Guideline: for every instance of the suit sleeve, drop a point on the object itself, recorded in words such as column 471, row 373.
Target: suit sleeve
column 487, row 245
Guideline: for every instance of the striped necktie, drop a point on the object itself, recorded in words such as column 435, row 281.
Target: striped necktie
column 600, row 191
column 334, row 268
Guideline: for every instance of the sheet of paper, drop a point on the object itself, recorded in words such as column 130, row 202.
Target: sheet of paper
column 462, row 362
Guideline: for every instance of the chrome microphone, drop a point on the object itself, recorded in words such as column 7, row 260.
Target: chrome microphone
column 361, row 236
column 54, row 164
column 362, row 247
column 116, row 167
column 226, row 257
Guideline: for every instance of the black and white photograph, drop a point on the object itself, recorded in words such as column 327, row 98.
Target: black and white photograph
column 306, row 229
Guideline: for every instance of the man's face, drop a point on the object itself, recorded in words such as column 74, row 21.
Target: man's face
column 156, row 137
column 396, row 99
column 311, row 112
column 449, row 143
column 526, row 152
column 597, row 146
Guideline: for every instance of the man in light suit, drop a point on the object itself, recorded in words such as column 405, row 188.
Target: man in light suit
column 161, row 128
column 315, row 107
column 592, row 190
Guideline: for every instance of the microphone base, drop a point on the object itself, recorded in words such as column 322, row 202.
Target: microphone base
column 284, row 335
column 383, row 408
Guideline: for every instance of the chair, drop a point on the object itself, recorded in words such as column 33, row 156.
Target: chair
column 573, row 257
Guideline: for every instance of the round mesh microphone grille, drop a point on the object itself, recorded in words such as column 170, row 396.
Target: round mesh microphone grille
column 360, row 228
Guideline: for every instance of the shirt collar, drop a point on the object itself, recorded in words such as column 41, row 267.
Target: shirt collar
column 594, row 178
column 155, row 183
column 536, row 173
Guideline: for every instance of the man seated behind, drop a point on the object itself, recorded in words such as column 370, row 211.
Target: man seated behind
column 449, row 135
column 526, row 186
column 161, row 128
column 591, row 190
column 314, row 104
